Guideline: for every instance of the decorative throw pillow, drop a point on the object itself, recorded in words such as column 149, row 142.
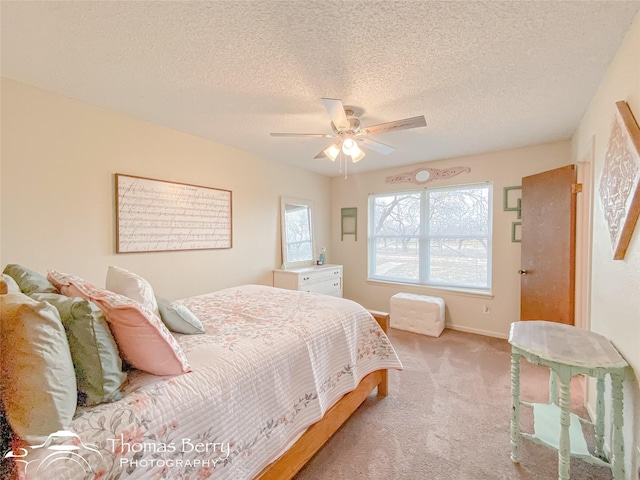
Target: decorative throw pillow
column 93, row 350
column 8, row 284
column 28, row 280
column 141, row 336
column 131, row 285
column 38, row 384
column 179, row 318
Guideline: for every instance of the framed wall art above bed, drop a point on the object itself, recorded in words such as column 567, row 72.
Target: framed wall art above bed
column 157, row 215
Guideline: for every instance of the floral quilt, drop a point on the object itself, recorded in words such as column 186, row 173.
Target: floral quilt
column 271, row 363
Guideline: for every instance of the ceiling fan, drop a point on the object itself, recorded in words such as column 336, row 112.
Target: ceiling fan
column 351, row 136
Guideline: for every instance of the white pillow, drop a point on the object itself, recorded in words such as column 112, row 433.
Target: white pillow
column 178, row 318
column 131, row 286
column 8, row 284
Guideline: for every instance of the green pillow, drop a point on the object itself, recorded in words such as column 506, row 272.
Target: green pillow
column 94, row 351
column 37, row 381
column 29, row 281
column 178, row 317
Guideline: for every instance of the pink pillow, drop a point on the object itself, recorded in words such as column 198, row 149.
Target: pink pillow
column 144, row 341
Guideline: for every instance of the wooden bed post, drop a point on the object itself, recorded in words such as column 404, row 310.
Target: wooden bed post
column 383, row 320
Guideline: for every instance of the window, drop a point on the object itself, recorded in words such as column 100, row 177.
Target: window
column 437, row 237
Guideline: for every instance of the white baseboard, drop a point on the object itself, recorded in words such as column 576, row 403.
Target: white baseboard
column 477, row 331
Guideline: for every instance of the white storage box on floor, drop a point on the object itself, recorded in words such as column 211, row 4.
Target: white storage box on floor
column 417, row 313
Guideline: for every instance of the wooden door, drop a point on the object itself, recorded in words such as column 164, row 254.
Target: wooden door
column 548, row 246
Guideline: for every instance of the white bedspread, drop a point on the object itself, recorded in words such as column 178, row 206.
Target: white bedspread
column 271, row 363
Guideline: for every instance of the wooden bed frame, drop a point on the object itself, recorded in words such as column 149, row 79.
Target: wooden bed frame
column 320, row 432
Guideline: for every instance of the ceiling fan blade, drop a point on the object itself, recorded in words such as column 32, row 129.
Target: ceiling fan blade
column 336, row 112
column 320, row 155
column 374, row 145
column 403, row 124
column 318, row 135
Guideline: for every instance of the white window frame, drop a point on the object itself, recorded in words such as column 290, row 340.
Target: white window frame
column 424, row 238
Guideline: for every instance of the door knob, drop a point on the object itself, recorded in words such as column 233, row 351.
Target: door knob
column 522, row 272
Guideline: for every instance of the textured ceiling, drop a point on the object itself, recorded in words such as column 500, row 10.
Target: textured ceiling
column 487, row 75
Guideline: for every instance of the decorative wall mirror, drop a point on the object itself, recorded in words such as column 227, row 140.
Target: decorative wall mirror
column 298, row 245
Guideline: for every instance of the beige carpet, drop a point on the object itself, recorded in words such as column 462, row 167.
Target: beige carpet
column 446, row 417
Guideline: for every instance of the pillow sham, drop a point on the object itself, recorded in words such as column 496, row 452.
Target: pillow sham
column 178, row 318
column 8, row 284
column 94, row 352
column 38, row 384
column 131, row 285
column 142, row 338
column 28, row 280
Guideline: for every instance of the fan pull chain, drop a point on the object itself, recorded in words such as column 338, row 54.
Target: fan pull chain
column 343, row 159
column 346, row 162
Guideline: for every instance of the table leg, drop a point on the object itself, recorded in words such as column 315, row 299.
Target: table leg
column 617, row 461
column 515, row 407
column 553, row 387
column 599, row 427
column 564, row 450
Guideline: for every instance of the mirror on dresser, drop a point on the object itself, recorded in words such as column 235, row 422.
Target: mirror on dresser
column 298, row 246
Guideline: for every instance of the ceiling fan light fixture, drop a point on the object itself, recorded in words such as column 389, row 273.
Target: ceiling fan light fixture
column 332, row 151
column 356, row 157
column 349, row 145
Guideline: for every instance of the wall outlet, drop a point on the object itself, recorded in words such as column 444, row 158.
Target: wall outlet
column 485, row 309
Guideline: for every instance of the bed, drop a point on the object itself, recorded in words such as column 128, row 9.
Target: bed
column 274, row 376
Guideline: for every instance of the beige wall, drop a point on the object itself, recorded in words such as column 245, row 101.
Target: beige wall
column 463, row 311
column 615, row 284
column 59, row 157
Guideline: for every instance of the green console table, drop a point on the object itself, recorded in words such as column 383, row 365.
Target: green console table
column 567, row 351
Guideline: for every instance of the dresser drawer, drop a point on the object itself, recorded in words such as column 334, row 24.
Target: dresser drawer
column 328, row 287
column 319, row 276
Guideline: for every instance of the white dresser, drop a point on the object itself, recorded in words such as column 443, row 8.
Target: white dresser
column 325, row 279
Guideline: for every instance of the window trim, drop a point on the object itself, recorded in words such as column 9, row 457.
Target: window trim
column 422, row 289
column 423, row 239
